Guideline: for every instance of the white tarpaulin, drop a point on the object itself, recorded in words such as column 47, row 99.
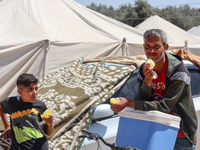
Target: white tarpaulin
column 176, row 36
column 41, row 36
column 195, row 31
column 195, row 48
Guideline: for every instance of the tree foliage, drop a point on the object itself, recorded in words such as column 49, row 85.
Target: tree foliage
column 126, row 14
column 143, row 10
column 184, row 16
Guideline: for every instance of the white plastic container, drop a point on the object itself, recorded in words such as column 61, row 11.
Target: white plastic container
column 147, row 130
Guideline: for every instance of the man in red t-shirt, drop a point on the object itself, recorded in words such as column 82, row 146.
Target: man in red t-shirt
column 158, row 91
column 170, row 92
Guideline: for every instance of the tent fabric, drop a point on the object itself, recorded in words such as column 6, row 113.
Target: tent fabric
column 195, row 31
column 176, row 36
column 195, row 48
column 41, row 36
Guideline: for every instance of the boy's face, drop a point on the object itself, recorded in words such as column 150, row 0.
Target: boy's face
column 29, row 93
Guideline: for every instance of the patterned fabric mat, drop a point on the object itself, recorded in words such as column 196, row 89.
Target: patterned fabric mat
column 72, row 92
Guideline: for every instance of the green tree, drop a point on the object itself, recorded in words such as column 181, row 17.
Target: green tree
column 110, row 11
column 143, row 10
column 191, row 17
column 184, row 16
column 126, row 14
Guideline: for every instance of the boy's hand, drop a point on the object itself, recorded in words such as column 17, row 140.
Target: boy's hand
column 6, row 134
column 48, row 126
column 49, row 120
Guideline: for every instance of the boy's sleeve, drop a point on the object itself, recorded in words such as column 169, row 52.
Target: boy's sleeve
column 44, row 107
column 4, row 105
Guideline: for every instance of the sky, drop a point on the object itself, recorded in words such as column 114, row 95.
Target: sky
column 153, row 3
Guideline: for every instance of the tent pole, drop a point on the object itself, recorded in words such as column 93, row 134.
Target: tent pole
column 124, row 46
column 186, row 46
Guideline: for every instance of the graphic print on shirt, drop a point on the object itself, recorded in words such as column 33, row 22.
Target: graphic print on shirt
column 26, row 125
column 159, row 87
column 158, row 91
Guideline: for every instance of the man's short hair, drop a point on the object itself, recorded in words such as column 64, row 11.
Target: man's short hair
column 156, row 32
column 26, row 79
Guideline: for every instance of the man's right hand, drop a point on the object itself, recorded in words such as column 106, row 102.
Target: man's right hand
column 123, row 102
column 149, row 73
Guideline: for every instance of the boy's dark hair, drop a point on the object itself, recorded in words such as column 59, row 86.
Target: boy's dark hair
column 26, row 79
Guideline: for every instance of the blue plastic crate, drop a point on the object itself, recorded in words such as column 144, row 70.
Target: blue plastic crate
column 147, row 130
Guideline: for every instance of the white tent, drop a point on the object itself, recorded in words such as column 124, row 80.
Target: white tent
column 40, row 36
column 176, row 36
column 195, row 31
column 195, row 48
